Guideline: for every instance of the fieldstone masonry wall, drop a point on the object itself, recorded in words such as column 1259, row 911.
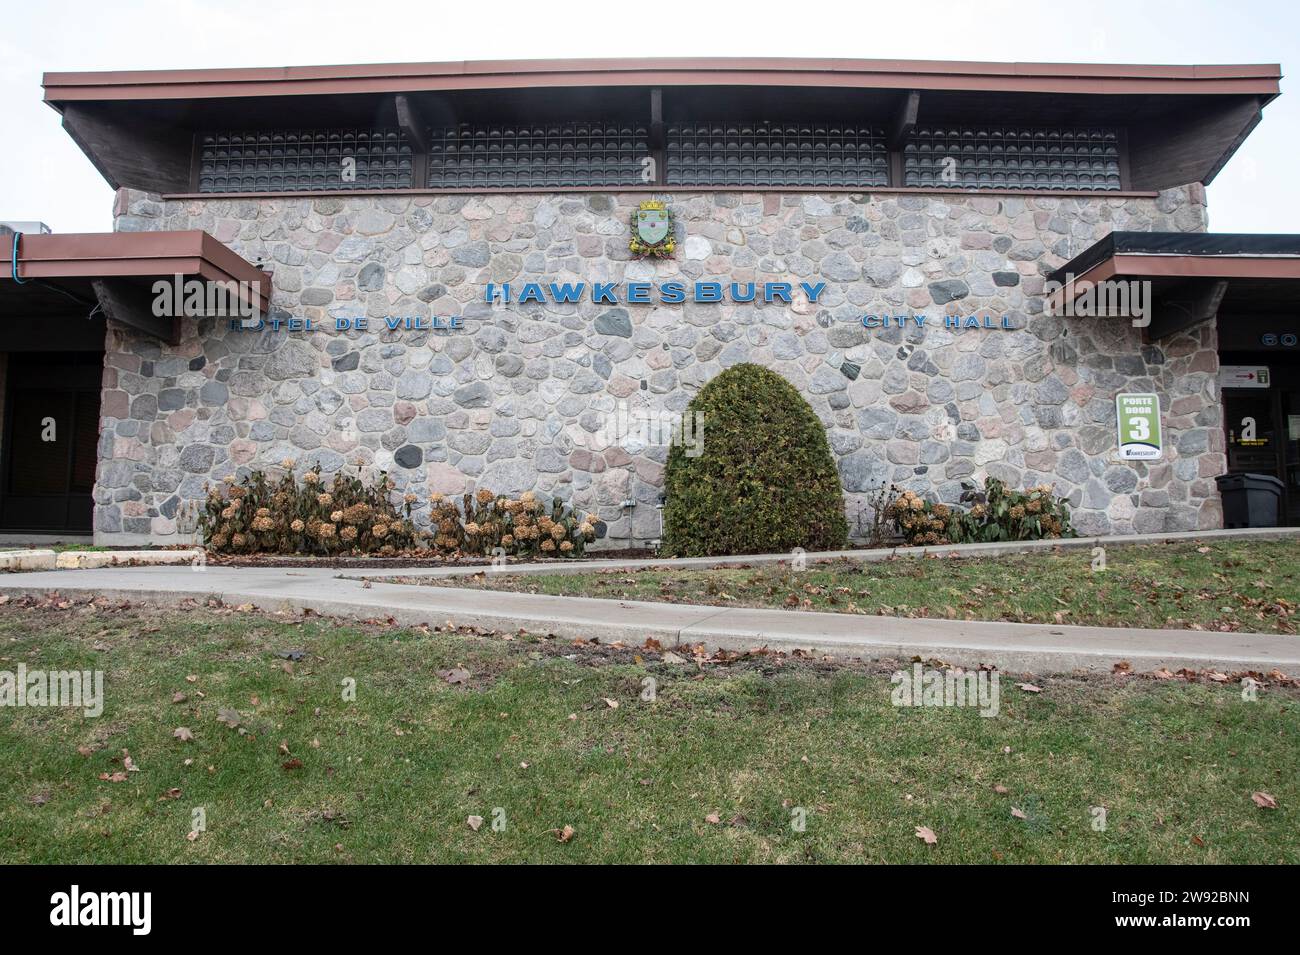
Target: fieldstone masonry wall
column 509, row 402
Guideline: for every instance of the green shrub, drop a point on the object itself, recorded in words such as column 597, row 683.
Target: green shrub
column 994, row 513
column 763, row 481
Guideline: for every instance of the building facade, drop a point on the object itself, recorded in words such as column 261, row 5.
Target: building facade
column 492, row 327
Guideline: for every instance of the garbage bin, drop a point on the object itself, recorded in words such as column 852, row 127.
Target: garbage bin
column 1249, row 500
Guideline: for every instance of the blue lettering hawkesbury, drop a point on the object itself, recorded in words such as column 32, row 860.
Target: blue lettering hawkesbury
column 651, row 293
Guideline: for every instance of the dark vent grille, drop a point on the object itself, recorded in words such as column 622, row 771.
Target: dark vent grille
column 768, row 154
column 290, row 161
column 1012, row 158
column 570, row 154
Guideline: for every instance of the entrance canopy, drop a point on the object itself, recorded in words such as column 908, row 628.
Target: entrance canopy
column 1192, row 276
column 113, row 274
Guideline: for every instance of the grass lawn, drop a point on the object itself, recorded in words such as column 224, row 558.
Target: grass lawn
column 1229, row 586
column 715, row 769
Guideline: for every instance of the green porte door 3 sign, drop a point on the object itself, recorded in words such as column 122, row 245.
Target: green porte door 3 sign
column 1138, row 419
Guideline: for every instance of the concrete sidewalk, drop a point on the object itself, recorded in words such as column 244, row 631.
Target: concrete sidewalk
column 1009, row 646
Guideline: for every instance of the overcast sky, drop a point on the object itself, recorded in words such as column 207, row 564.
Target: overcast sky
column 44, row 176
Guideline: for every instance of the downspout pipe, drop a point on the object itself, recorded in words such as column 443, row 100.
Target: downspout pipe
column 14, row 260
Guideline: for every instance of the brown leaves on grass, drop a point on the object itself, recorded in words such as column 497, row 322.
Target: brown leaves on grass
column 1264, row 800
column 926, row 835
column 455, row 676
column 183, row 733
column 563, row 835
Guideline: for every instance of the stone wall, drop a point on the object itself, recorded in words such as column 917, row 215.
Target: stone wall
column 507, row 402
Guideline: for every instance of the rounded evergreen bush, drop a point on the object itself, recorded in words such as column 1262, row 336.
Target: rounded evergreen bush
column 764, row 480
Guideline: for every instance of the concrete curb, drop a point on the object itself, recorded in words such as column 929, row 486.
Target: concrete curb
column 864, row 556
column 1009, row 646
column 92, row 559
column 21, row 560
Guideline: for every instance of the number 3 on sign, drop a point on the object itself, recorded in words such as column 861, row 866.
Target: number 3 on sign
column 1138, row 421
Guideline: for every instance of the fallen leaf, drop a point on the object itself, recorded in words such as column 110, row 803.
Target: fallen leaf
column 1018, row 813
column 1030, row 688
column 1001, row 790
column 178, row 697
column 612, row 704
column 565, row 834
column 713, row 819
column 192, row 835
column 191, row 679
column 1264, row 800
column 292, row 764
column 85, row 750
column 183, row 734
column 454, row 676
column 118, row 777
column 926, row 834
column 475, row 822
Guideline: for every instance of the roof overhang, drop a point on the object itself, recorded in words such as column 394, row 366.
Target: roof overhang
column 119, row 272
column 1191, row 277
column 1183, row 122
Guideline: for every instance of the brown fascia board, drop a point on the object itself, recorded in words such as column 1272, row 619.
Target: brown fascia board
column 1087, row 78
column 1133, row 266
column 138, row 255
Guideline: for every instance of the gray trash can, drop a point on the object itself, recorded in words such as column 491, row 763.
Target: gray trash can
column 1249, row 500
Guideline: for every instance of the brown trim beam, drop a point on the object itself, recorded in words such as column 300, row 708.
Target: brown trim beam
column 1260, row 79
column 693, row 190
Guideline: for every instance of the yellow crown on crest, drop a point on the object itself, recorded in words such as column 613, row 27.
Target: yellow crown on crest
column 654, row 204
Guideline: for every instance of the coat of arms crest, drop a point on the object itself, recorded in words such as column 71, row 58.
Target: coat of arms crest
column 652, row 230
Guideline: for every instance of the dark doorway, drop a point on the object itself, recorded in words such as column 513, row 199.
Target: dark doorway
column 1262, row 422
column 51, row 436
